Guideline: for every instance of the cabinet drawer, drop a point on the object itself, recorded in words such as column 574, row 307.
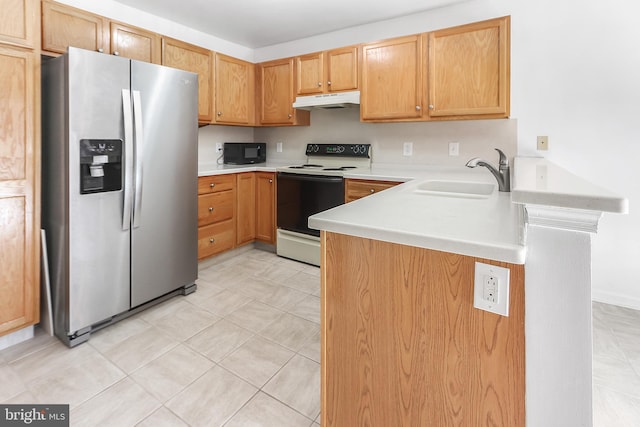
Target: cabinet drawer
column 356, row 189
column 215, row 183
column 215, row 238
column 215, row 207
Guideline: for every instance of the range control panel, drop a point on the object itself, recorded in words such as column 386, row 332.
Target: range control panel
column 341, row 150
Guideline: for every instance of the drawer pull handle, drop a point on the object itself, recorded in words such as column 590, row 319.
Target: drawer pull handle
column 100, row 50
column 212, row 240
column 372, row 190
column 210, row 209
column 213, row 184
column 270, row 181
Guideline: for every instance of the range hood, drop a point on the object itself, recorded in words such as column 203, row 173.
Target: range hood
column 328, row 100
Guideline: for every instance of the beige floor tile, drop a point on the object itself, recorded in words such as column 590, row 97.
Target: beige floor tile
column 123, row 404
column 140, row 349
column 257, row 360
column 254, row 316
column 172, row 372
column 298, row 385
column 24, row 398
column 279, row 272
column 254, row 287
column 205, row 288
column 282, row 297
column 290, row 331
column 614, row 409
column 308, row 308
column 39, row 341
column 10, row 383
column 265, row 411
column 212, row 399
column 112, row 336
column 303, row 282
column 311, row 348
column 616, row 374
column 162, row 418
column 312, row 269
column 76, row 383
column 605, row 343
column 223, row 303
column 50, row 359
column 219, row 339
column 165, row 308
column 185, row 322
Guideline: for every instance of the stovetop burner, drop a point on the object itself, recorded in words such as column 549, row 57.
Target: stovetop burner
column 332, row 159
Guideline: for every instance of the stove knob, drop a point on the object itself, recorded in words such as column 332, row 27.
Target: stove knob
column 340, row 149
column 315, row 148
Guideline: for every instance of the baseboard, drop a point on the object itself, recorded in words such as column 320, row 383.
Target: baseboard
column 616, row 299
column 16, row 337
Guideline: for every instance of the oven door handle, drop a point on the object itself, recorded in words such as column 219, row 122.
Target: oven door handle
column 313, row 178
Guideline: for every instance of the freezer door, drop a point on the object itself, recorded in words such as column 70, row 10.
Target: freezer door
column 164, row 234
column 98, row 247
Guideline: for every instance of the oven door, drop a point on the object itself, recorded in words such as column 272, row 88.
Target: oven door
column 300, row 196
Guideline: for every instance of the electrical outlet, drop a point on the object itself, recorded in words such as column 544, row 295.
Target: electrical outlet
column 454, row 148
column 543, row 143
column 407, row 149
column 218, row 147
column 491, row 289
column 278, row 147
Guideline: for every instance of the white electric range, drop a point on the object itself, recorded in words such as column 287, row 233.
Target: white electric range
column 306, row 189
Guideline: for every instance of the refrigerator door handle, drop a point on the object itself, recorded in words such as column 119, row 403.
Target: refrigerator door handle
column 139, row 140
column 128, row 157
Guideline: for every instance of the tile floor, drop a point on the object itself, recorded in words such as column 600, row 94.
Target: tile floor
column 244, row 351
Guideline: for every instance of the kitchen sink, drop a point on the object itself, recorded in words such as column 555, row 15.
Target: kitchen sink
column 465, row 189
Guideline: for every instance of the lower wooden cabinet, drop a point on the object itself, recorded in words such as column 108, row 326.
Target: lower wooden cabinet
column 355, row 189
column 266, row 207
column 235, row 209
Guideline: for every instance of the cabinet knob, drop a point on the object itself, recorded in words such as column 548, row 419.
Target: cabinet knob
column 100, row 50
column 430, row 106
column 319, row 84
column 219, row 113
column 372, row 190
column 210, row 209
column 329, row 82
column 213, row 184
column 212, row 240
column 116, row 53
column 270, row 181
column 418, row 108
column 289, row 115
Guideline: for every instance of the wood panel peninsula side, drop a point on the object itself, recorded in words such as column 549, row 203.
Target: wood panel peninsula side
column 402, row 344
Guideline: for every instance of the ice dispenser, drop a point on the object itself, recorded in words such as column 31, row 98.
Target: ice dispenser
column 100, row 165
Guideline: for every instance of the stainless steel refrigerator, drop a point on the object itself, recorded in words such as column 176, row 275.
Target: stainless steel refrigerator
column 119, row 187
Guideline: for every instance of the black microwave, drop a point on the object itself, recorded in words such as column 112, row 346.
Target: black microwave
column 244, row 153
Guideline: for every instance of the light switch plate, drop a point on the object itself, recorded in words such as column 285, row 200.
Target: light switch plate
column 278, row 147
column 454, row 148
column 491, row 289
column 407, row 149
column 543, row 143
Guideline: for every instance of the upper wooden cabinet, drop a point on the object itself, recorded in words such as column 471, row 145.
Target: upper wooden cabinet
column 17, row 22
column 276, row 94
column 64, row 26
column 234, row 91
column 324, row 72
column 469, row 70
column 392, row 79
column 198, row 60
column 135, row 43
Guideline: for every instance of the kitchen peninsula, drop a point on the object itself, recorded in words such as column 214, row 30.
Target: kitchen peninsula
column 402, row 343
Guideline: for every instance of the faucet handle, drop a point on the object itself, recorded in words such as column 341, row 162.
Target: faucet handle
column 504, row 161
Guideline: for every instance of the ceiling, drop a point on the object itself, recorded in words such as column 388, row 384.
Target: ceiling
column 260, row 23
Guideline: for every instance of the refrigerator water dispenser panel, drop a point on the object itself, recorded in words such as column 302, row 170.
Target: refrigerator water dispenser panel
column 100, row 165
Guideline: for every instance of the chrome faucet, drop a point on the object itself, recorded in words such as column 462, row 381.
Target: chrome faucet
column 502, row 174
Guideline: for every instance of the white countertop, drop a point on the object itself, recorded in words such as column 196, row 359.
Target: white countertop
column 207, row 169
column 537, row 181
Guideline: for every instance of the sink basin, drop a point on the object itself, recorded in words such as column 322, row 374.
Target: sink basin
column 472, row 190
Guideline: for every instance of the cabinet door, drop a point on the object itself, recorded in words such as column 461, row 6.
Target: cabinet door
column 246, row 208
column 276, row 86
column 198, row 60
column 342, row 69
column 266, row 207
column 18, row 22
column 310, row 74
column 234, row 90
column 19, row 253
column 135, row 43
column 469, row 70
column 64, row 26
column 392, row 79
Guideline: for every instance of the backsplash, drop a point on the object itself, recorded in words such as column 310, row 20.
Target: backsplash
column 477, row 138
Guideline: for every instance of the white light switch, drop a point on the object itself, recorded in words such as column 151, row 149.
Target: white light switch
column 454, row 148
column 491, row 289
column 407, row 149
column 278, row 147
